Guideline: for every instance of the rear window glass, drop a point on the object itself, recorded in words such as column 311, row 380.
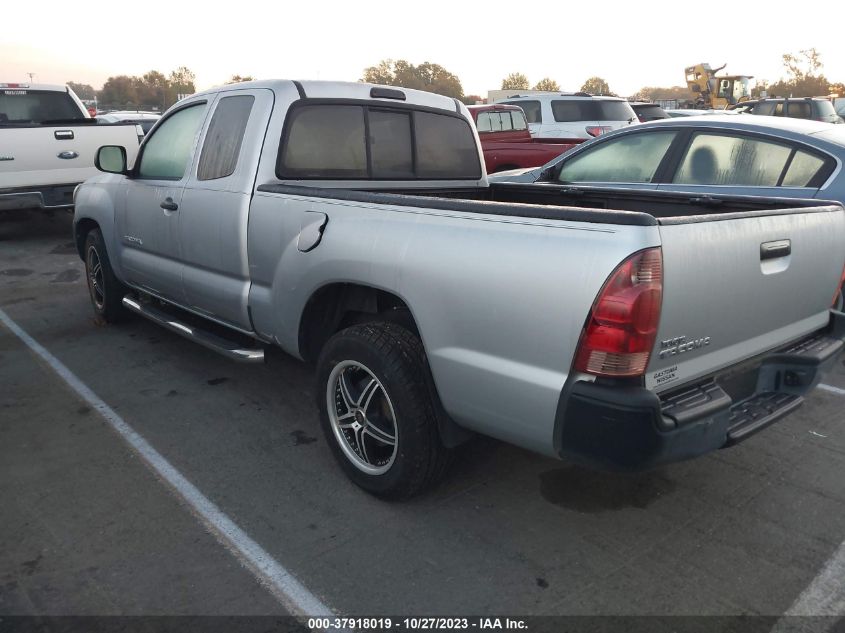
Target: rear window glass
column 531, row 109
column 589, row 110
column 325, row 141
column 501, row 121
column 825, row 108
column 36, row 106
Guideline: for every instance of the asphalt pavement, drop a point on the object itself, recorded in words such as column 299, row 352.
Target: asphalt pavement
column 88, row 528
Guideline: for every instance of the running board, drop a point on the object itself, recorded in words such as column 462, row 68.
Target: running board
column 229, row 349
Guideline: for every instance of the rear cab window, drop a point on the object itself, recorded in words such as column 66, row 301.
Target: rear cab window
column 343, row 141
column 23, row 106
column 501, row 121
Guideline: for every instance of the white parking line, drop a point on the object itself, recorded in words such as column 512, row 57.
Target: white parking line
column 293, row 595
column 832, row 389
column 826, row 594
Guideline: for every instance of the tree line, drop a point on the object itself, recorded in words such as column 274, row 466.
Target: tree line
column 151, row 91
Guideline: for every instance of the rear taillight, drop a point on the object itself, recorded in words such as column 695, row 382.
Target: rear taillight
column 622, row 326
column 597, row 130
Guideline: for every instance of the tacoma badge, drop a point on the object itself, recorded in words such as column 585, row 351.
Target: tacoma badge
column 680, row 344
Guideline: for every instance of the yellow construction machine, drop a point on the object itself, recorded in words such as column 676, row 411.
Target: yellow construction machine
column 712, row 92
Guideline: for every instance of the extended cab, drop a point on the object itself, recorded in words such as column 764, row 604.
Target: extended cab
column 354, row 227
column 47, row 145
column 507, row 143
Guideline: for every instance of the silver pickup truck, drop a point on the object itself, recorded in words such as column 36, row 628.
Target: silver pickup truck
column 353, row 226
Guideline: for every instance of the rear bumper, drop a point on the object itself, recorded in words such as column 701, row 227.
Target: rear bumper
column 631, row 428
column 42, row 197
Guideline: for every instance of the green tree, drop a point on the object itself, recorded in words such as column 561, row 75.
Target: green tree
column 427, row 76
column 547, row 85
column 181, row 82
column 471, row 99
column 152, row 90
column 515, row 81
column 804, row 78
column 83, row 91
column 596, row 86
column 119, row 92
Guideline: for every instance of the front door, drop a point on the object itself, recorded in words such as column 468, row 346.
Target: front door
column 148, row 224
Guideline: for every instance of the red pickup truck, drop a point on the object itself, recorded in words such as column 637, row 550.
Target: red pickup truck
column 507, row 143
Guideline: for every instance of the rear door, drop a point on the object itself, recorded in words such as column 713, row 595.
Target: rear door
column 214, row 211
column 725, row 162
column 734, row 288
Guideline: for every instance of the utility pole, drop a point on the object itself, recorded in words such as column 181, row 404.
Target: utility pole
column 31, row 75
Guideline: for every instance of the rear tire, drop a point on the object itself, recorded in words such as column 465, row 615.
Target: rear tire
column 376, row 410
column 105, row 290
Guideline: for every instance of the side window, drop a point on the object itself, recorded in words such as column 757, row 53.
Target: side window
column 168, row 151
column 531, row 109
column 631, row 158
column 483, row 123
column 224, row 137
column 802, row 170
column 767, row 109
column 567, row 111
column 779, row 109
column 732, row 160
column 800, row 110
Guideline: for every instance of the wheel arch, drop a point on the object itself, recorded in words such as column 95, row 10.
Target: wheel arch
column 81, row 229
column 336, row 306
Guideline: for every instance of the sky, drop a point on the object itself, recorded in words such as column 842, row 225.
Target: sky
column 631, row 45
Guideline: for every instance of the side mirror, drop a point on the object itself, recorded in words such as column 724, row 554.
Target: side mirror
column 111, row 159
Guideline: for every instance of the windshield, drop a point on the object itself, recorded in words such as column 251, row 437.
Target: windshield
column 37, row 106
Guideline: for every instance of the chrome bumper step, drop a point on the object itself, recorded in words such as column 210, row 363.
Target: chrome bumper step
column 230, row 349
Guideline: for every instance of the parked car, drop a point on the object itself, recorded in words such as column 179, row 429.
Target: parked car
column 815, row 108
column 648, row 111
column 507, row 143
column 743, row 155
column 47, row 145
column 353, row 225
column 839, row 106
column 143, row 120
column 577, row 115
column 685, row 112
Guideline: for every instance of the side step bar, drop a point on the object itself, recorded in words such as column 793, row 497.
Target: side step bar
column 229, row 349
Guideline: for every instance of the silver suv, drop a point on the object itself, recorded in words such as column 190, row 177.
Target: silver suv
column 576, row 115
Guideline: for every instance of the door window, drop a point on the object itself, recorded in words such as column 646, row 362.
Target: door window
column 732, row 160
column 531, row 109
column 630, row 158
column 802, row 170
column 224, row 137
column 167, row 153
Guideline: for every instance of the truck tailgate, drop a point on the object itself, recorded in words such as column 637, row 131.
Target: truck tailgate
column 738, row 285
column 48, row 155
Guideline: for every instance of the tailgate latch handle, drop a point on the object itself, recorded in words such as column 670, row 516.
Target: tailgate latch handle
column 774, row 250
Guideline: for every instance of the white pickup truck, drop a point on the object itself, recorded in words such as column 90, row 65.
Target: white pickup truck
column 47, row 145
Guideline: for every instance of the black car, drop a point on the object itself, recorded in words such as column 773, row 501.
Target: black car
column 815, row 108
column 649, row 112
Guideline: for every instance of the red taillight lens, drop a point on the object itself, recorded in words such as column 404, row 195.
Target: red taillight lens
column 622, row 325
column 597, row 130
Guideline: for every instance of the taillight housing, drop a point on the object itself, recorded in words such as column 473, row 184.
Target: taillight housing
column 597, row 130
column 622, row 327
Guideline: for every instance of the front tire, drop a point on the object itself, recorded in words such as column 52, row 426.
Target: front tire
column 376, row 410
column 105, row 290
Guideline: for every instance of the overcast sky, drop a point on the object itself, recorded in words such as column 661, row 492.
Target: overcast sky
column 630, row 44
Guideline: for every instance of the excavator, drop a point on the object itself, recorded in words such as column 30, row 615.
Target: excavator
column 712, row 92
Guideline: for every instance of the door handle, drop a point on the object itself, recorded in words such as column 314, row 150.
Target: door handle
column 169, row 205
column 773, row 250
